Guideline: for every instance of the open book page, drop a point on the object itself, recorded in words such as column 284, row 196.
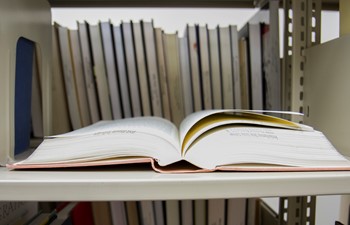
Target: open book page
column 135, row 137
column 262, row 146
column 200, row 122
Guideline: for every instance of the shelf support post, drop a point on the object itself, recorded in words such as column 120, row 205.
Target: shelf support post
column 297, row 210
column 302, row 29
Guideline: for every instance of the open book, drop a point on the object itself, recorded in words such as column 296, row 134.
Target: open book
column 237, row 140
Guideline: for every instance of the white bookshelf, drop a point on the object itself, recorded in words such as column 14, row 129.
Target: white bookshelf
column 98, row 185
column 112, row 184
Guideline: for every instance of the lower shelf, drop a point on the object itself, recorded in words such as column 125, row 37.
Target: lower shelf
column 107, row 184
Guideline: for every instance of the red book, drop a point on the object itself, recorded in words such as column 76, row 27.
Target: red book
column 82, row 214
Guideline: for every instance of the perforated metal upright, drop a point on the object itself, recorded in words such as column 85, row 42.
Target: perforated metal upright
column 302, row 30
column 302, row 20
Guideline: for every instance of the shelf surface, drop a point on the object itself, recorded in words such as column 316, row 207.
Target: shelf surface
column 107, row 184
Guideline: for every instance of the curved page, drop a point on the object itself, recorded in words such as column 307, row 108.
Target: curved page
column 262, row 146
column 198, row 123
column 138, row 137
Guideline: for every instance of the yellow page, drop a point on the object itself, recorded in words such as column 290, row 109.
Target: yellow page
column 200, row 122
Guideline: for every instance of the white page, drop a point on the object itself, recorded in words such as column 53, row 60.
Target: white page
column 145, row 136
column 251, row 145
column 152, row 125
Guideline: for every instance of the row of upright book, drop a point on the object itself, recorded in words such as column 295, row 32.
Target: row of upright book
column 169, row 212
column 231, row 211
column 111, row 71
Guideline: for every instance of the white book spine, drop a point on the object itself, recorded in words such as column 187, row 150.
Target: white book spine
column 79, row 78
column 172, row 62
column 100, row 73
column 153, row 75
column 236, row 211
column 186, row 76
column 187, row 212
column 118, row 213
column 216, row 211
column 122, row 73
column 196, row 84
column 173, row 212
column 147, row 213
column 163, row 80
column 205, row 67
column 141, row 70
column 87, row 67
column 215, row 68
column 226, row 68
column 255, row 66
column 71, row 92
column 131, row 68
column 113, row 83
column 235, row 67
column 200, row 212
